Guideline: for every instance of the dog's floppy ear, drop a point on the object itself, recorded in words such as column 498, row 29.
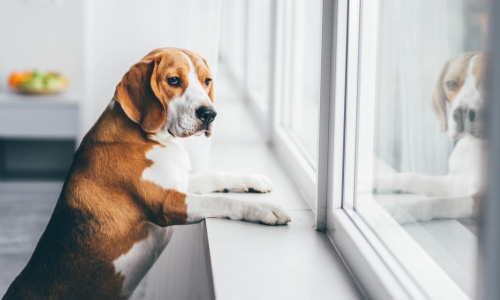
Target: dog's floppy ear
column 139, row 96
column 439, row 100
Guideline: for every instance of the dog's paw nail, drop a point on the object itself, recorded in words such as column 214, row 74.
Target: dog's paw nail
column 252, row 190
column 259, row 183
column 270, row 214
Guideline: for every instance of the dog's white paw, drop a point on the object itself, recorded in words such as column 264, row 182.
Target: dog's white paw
column 228, row 182
column 253, row 183
column 267, row 213
column 385, row 183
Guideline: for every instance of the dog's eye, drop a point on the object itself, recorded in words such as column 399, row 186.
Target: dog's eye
column 207, row 81
column 174, row 81
column 451, row 85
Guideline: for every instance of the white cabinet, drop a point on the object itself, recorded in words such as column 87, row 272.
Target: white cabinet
column 38, row 135
column 41, row 117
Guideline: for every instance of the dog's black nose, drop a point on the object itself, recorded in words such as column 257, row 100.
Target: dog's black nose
column 472, row 115
column 206, row 114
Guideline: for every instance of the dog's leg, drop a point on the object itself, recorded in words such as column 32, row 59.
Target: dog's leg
column 409, row 210
column 200, row 207
column 228, row 182
column 414, row 183
column 166, row 207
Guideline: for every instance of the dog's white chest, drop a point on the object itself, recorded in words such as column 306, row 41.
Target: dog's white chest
column 170, row 168
column 465, row 165
column 134, row 264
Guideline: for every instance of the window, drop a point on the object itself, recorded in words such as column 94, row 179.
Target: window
column 412, row 171
column 301, row 74
column 297, row 91
column 280, row 76
column 415, row 206
column 258, row 53
column 233, row 37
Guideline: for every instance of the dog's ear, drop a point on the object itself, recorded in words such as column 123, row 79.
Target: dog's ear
column 139, row 96
column 439, row 100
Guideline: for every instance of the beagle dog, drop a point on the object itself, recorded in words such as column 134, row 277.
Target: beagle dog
column 458, row 103
column 129, row 183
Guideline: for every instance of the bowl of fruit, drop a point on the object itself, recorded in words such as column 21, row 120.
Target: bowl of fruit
column 38, row 83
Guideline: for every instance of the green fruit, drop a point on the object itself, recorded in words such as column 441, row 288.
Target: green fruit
column 35, row 84
column 54, row 83
column 37, row 74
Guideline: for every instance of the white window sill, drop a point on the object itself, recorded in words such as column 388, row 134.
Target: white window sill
column 251, row 261
column 450, row 243
column 452, row 246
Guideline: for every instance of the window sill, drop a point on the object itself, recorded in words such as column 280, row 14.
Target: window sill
column 252, row 261
column 379, row 270
column 452, row 246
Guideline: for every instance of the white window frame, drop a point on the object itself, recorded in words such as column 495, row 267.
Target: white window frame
column 377, row 267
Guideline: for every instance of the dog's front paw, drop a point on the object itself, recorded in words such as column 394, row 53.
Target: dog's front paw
column 254, row 183
column 384, row 183
column 267, row 213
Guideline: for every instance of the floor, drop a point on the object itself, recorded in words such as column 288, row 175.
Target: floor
column 25, row 209
column 237, row 145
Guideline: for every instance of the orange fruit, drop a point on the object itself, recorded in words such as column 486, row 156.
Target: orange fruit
column 16, row 78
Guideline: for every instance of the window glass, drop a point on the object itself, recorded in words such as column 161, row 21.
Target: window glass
column 258, row 51
column 233, row 36
column 301, row 76
column 419, row 136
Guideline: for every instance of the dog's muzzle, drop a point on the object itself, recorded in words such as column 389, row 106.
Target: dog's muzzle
column 468, row 120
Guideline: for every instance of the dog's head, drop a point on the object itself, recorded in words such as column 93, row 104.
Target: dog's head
column 169, row 92
column 458, row 99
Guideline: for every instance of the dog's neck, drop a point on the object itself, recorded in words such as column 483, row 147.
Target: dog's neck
column 113, row 126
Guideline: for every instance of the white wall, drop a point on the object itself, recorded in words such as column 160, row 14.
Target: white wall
column 183, row 270
column 42, row 34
